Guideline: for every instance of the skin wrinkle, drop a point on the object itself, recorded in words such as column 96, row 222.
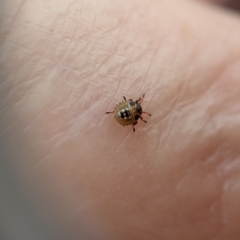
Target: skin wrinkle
column 215, row 155
column 177, row 149
column 13, row 20
column 15, row 88
column 219, row 74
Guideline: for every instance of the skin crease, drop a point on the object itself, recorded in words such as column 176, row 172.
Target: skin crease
column 64, row 64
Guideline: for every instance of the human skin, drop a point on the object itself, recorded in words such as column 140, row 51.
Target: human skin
column 64, row 64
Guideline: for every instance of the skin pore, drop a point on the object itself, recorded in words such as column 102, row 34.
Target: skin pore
column 65, row 63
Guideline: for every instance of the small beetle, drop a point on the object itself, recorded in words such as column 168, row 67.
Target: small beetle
column 128, row 112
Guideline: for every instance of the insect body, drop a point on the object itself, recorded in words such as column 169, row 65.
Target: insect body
column 128, row 112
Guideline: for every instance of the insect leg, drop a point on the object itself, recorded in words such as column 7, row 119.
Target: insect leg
column 133, row 126
column 143, row 119
column 149, row 114
column 140, row 99
column 124, row 98
column 109, row 112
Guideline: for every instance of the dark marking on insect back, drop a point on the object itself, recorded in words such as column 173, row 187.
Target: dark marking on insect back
column 121, row 115
column 127, row 114
column 132, row 103
column 137, row 117
column 124, row 114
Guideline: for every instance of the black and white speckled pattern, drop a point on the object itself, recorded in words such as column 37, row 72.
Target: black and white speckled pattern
column 125, row 114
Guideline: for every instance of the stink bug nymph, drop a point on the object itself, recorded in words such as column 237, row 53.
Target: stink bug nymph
column 128, row 112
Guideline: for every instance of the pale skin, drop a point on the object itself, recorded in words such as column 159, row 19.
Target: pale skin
column 64, row 64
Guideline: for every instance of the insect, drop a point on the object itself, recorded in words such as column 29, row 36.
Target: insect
column 128, row 112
